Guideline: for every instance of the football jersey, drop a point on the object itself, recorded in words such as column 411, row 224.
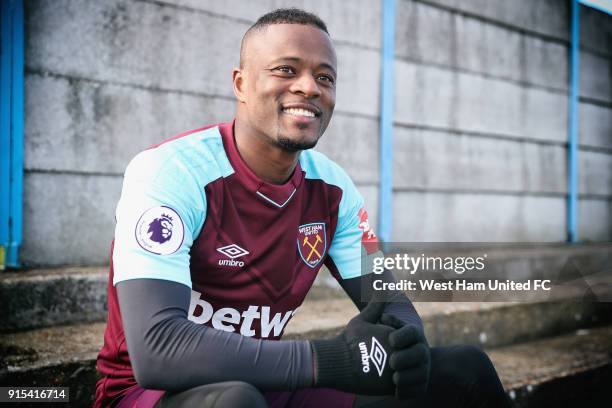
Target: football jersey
column 191, row 211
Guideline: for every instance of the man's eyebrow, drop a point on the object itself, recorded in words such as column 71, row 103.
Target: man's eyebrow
column 298, row 59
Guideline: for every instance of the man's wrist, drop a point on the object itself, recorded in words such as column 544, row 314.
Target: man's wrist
column 332, row 364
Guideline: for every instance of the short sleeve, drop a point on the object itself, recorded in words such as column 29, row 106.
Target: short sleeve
column 353, row 233
column 160, row 213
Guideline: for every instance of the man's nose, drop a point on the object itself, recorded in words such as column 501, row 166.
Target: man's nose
column 306, row 85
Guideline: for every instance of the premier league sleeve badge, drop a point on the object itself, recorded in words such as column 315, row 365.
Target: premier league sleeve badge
column 160, row 230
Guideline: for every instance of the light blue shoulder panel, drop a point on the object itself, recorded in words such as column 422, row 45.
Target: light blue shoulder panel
column 163, row 205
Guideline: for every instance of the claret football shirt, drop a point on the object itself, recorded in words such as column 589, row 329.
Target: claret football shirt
column 192, row 212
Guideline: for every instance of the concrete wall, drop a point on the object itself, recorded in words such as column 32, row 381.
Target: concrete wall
column 481, row 111
column 482, row 121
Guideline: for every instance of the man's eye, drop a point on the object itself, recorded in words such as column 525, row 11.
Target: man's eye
column 327, row 78
column 285, row 69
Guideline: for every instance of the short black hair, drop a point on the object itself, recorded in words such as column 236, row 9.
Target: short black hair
column 282, row 16
column 289, row 16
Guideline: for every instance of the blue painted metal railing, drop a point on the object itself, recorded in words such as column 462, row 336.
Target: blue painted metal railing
column 385, row 202
column 11, row 131
column 572, row 149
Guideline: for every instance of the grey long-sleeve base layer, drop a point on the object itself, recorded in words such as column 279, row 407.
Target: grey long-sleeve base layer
column 169, row 352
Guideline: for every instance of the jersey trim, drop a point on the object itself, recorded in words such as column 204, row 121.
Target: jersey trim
column 259, row 193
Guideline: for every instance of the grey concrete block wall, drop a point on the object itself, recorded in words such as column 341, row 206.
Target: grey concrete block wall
column 434, row 35
column 69, row 218
column 438, row 160
column 358, row 80
column 485, row 111
column 544, row 17
column 454, row 217
column 595, row 173
column 88, row 126
column 359, row 141
column 481, row 111
column 351, row 21
column 444, row 98
column 595, row 126
column 595, row 30
column 595, row 77
column 137, row 43
column 595, row 219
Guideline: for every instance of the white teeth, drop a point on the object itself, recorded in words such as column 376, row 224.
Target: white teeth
column 299, row 112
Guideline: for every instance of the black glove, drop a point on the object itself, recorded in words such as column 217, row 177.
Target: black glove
column 410, row 359
column 357, row 360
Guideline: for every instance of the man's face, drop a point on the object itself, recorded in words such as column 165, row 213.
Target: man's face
column 288, row 87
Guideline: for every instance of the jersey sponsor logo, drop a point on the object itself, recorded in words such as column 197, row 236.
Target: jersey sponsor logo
column 377, row 355
column 160, row 230
column 230, row 320
column 312, row 243
column 232, row 251
column 368, row 237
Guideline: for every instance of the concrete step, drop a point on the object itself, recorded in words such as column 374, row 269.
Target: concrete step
column 47, row 297
column 44, row 298
column 65, row 355
column 572, row 370
column 491, row 324
column 60, row 356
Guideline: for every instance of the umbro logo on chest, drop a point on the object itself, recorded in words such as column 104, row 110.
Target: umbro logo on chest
column 232, row 252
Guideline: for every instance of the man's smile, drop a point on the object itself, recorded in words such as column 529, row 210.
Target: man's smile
column 299, row 112
column 301, row 109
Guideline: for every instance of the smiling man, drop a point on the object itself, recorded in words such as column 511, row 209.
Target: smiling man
column 220, row 234
column 286, row 90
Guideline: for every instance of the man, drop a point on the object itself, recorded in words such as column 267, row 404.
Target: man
column 220, row 234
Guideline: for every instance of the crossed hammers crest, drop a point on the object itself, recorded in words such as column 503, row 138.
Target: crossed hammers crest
column 313, row 247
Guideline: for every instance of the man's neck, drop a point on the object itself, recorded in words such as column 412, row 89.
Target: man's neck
column 270, row 163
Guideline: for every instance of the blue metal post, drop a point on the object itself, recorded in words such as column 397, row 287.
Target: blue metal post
column 5, row 128
column 385, row 208
column 11, row 131
column 17, row 139
column 572, row 158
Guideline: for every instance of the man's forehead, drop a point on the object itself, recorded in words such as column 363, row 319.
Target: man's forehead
column 297, row 40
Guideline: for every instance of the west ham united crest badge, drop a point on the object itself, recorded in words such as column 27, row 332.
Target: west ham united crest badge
column 312, row 243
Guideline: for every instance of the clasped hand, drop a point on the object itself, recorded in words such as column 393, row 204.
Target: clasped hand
column 410, row 358
column 375, row 354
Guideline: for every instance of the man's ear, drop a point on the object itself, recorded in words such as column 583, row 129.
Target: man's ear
column 239, row 84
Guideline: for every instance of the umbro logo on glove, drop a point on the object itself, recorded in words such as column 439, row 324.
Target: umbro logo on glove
column 397, row 362
column 377, row 354
column 346, row 364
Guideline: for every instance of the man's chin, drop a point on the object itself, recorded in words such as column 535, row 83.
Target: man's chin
column 291, row 145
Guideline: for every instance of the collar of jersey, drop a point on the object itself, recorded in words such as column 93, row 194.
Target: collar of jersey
column 275, row 194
